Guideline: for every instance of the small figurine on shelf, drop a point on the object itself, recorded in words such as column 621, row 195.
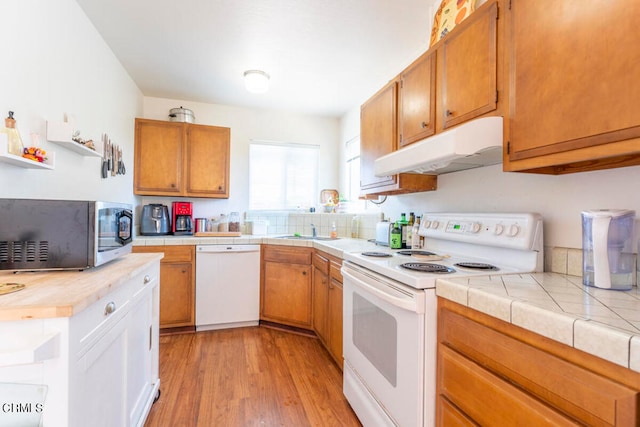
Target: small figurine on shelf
column 14, row 142
column 86, row 142
column 34, row 153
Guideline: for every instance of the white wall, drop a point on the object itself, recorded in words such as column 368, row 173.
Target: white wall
column 559, row 199
column 55, row 62
column 247, row 124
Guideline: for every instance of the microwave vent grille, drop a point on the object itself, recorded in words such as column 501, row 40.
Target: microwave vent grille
column 24, row 251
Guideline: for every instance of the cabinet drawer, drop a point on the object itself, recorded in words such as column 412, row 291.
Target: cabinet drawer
column 321, row 263
column 334, row 270
column 184, row 253
column 585, row 395
column 488, row 399
column 287, row 254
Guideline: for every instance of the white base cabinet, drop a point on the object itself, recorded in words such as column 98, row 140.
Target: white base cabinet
column 103, row 368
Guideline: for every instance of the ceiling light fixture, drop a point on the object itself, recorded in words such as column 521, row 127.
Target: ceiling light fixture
column 256, row 81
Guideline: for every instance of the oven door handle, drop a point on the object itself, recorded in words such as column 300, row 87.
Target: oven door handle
column 408, row 303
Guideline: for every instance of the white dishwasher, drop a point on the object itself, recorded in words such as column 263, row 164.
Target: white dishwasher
column 227, row 286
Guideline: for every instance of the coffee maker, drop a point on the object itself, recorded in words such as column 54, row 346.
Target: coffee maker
column 607, row 256
column 182, row 218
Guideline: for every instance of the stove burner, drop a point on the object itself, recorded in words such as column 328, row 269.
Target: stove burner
column 416, row 252
column 476, row 266
column 428, row 267
column 377, row 254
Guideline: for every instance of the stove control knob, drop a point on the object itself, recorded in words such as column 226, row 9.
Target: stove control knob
column 435, row 224
column 513, row 230
column 426, row 223
column 499, row 229
column 475, row 227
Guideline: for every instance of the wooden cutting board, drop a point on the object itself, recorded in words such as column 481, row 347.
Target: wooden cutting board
column 7, row 288
column 217, row 234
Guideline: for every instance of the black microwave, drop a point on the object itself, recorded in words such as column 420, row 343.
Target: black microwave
column 62, row 234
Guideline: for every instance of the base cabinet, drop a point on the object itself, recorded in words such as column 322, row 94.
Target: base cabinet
column 327, row 303
column 493, row 373
column 286, row 287
column 177, row 274
column 99, row 366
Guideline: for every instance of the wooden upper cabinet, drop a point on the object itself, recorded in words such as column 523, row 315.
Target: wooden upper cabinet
column 468, row 66
column 181, row 159
column 379, row 136
column 158, row 158
column 208, row 161
column 378, row 133
column 574, row 86
column 417, row 100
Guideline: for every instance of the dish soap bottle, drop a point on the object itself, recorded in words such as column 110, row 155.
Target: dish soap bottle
column 395, row 242
column 355, row 225
column 14, row 142
column 334, row 231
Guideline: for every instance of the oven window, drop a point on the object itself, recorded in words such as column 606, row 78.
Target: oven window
column 375, row 334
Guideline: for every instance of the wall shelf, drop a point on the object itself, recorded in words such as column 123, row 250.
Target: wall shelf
column 6, row 157
column 60, row 133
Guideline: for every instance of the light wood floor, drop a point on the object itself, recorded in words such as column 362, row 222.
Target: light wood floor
column 248, row 377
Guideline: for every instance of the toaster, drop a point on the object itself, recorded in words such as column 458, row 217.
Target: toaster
column 383, row 232
column 155, row 220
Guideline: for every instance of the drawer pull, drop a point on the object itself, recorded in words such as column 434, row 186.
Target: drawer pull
column 147, row 279
column 110, row 308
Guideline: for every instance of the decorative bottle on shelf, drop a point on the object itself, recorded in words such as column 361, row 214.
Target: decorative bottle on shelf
column 14, row 142
column 395, row 242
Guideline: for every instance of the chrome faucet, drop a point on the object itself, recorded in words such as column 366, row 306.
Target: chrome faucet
column 314, row 234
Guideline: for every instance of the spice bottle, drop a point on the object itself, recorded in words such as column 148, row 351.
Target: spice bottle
column 396, row 236
column 14, row 142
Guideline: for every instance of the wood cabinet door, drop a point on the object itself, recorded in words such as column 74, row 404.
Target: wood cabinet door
column 176, row 295
column 286, row 296
column 574, row 80
column 207, row 155
column 335, row 320
column 378, row 135
column 320, row 304
column 159, row 158
column 469, row 68
column 417, row 100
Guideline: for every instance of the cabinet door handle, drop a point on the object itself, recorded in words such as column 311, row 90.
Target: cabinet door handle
column 110, row 308
column 449, row 113
column 304, row 273
column 424, row 125
column 147, row 279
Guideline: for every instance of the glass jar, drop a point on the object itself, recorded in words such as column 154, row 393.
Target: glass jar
column 234, row 222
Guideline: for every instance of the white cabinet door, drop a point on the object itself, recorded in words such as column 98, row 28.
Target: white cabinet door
column 140, row 378
column 102, row 380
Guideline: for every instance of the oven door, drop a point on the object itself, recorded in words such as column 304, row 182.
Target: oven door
column 383, row 348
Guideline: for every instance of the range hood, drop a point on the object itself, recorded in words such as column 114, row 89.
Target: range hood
column 473, row 144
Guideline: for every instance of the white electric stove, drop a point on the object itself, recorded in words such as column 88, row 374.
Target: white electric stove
column 390, row 307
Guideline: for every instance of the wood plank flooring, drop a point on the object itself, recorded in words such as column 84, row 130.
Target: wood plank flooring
column 253, row 376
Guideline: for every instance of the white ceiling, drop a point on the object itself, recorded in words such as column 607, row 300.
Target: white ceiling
column 324, row 57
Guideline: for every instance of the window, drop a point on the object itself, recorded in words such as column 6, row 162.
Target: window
column 352, row 154
column 282, row 175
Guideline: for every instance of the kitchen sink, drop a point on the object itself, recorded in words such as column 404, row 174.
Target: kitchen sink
column 298, row 237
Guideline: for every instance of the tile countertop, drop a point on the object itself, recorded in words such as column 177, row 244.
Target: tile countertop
column 604, row 323
column 333, row 247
